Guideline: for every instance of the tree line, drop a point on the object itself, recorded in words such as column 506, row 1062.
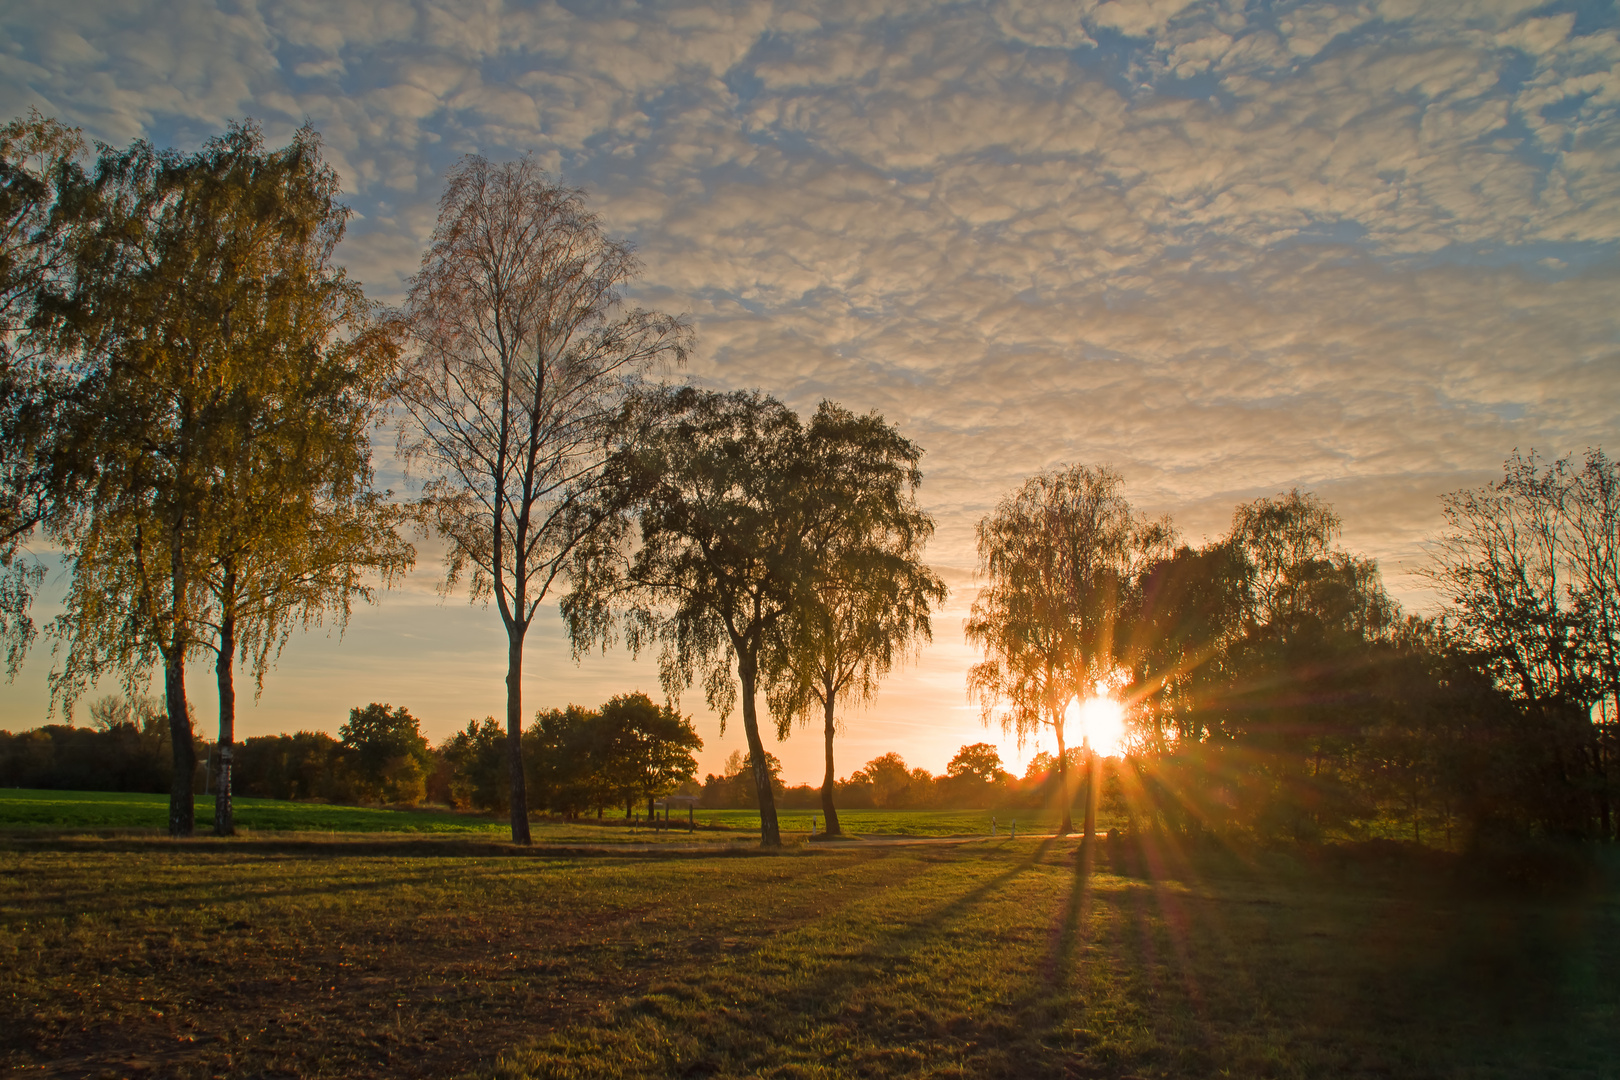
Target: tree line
column 1271, row 684
column 628, row 751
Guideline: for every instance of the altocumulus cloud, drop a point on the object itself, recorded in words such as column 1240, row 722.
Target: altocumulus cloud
column 1228, row 248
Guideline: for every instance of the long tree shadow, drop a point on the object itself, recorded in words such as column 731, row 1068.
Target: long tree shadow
column 808, row 996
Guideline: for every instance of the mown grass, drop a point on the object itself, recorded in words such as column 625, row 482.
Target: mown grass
column 452, row 956
column 26, row 810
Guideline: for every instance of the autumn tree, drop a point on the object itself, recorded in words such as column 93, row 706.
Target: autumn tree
column 524, row 351
column 236, row 375
column 299, row 530
column 712, row 564
column 38, row 159
column 866, row 595
column 1057, row 556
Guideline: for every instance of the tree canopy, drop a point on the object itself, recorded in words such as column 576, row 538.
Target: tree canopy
column 865, row 595
column 719, row 489
column 230, row 377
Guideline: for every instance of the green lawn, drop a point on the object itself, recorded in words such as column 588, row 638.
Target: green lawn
column 23, row 809
column 463, row 957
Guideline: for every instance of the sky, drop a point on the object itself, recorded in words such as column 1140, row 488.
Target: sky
column 1230, row 249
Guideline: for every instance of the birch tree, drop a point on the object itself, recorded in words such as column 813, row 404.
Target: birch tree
column 867, row 595
column 714, row 564
column 524, row 352
column 231, row 374
column 38, row 158
column 1056, row 555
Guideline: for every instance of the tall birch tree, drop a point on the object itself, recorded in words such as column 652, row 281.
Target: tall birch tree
column 715, row 485
column 230, row 375
column 1057, row 555
column 524, row 352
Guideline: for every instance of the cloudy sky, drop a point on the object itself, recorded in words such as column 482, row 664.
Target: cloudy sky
column 1230, row 249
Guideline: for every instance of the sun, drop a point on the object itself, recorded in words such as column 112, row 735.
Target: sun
column 1101, row 721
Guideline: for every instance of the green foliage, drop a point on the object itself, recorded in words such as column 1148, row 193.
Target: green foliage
column 121, row 757
column 38, row 161
column 388, row 752
column 566, row 762
column 305, row 765
column 734, row 788
column 630, row 750
column 472, row 771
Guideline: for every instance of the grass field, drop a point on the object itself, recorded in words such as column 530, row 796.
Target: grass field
column 93, row 811
column 455, row 956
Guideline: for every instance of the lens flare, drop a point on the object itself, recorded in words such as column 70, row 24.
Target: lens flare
column 1101, row 722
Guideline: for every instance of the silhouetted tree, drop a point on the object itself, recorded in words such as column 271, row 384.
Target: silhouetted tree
column 979, row 762
column 1058, row 555
column 524, row 354
column 866, row 595
column 1528, row 564
column 719, row 487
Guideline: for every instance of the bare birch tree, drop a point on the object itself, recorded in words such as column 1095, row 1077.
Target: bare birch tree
column 525, row 350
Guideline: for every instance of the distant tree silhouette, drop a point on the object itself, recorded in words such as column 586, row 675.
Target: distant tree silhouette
column 980, row 762
column 1058, row 556
column 1531, row 565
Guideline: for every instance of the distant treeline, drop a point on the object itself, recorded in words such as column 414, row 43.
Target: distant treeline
column 576, row 761
column 628, row 751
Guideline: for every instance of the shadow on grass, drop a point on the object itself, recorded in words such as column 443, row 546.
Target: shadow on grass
column 834, row 1003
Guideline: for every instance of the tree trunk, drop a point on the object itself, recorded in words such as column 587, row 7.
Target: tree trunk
column 827, row 808
column 182, row 804
column 514, row 734
column 770, row 835
column 224, row 671
column 182, row 799
column 1065, row 796
column 1093, row 774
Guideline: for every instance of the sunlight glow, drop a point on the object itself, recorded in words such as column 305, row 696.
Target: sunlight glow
column 1101, row 721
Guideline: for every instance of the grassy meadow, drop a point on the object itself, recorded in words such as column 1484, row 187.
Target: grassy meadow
column 458, row 956
column 23, row 811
